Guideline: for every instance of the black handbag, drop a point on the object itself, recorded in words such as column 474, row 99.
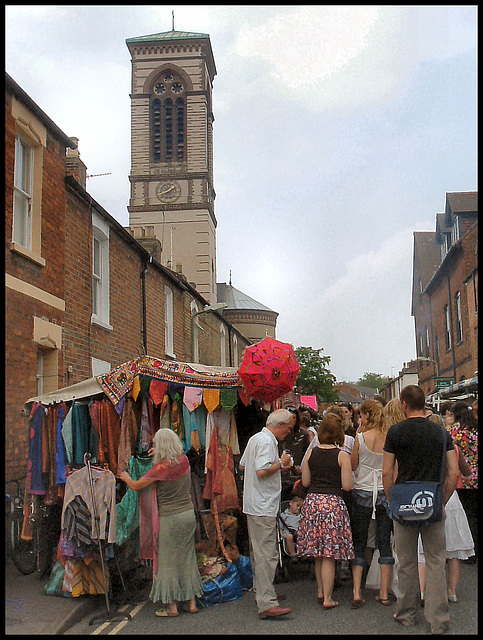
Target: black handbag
column 416, row 502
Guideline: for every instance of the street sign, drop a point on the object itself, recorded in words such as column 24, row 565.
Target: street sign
column 443, row 383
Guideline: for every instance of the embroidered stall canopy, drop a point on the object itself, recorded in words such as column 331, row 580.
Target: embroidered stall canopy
column 119, row 381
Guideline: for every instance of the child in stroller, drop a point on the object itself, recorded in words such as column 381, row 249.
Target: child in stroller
column 289, row 522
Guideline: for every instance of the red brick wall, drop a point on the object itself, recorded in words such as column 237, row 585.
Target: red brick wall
column 456, row 269
column 20, row 309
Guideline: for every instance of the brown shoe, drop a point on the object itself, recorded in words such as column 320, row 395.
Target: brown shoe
column 274, row 612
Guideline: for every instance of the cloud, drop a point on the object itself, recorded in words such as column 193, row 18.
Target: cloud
column 358, row 318
column 350, row 57
column 311, row 44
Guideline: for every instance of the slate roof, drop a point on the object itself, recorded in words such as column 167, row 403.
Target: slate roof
column 460, row 202
column 236, row 299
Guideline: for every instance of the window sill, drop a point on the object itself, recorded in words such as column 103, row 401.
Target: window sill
column 170, row 355
column 27, row 253
column 101, row 323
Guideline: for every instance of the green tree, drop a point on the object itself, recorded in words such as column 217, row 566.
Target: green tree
column 373, row 380
column 315, row 378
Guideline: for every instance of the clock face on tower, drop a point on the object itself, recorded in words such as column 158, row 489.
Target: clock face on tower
column 168, row 191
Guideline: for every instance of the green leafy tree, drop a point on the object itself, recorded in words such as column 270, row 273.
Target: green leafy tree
column 315, row 377
column 373, row 380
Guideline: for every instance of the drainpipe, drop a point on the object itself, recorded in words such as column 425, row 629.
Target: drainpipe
column 143, row 294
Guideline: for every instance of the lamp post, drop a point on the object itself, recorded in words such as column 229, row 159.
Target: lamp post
column 424, row 359
column 209, row 308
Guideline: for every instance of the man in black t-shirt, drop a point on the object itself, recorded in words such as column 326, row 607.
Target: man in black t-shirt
column 416, row 445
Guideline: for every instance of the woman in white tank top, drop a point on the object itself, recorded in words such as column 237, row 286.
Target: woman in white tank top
column 369, row 500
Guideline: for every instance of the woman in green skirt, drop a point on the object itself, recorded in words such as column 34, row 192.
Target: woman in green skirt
column 176, row 575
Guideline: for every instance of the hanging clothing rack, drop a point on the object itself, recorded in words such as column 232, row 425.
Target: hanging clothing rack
column 116, row 615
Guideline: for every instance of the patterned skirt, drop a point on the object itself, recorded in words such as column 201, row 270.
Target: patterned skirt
column 324, row 528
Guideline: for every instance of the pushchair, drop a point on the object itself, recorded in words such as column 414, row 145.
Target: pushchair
column 286, row 569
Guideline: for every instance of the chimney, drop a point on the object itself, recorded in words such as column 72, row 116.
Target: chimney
column 146, row 237
column 74, row 165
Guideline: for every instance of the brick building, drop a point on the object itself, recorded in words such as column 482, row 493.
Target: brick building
column 82, row 293
column 444, row 295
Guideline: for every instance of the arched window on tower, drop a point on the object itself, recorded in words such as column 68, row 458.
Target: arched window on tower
column 168, row 119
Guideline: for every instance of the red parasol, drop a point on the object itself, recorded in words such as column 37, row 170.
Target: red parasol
column 268, row 369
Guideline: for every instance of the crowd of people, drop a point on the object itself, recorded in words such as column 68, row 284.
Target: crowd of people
column 347, row 471
column 347, row 462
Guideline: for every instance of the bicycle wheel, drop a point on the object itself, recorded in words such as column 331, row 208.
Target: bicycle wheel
column 22, row 552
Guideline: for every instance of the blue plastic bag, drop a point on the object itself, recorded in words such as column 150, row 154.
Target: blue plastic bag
column 224, row 588
column 244, row 567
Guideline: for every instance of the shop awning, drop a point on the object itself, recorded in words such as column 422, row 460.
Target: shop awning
column 119, row 380
column 78, row 391
column 471, row 384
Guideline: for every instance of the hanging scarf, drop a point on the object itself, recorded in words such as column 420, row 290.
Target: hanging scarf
column 211, row 399
column 192, row 398
column 228, row 399
column 157, row 390
column 164, row 470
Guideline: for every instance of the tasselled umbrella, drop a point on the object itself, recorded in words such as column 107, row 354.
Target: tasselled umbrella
column 268, row 369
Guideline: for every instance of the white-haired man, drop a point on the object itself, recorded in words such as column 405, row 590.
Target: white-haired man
column 262, row 488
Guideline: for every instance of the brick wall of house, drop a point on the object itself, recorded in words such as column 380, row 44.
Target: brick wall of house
column 457, row 362
column 20, row 307
column 60, row 293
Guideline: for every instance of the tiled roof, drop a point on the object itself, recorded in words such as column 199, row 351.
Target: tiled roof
column 462, row 202
column 236, row 299
column 169, row 35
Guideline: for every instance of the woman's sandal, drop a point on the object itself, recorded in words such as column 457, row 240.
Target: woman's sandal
column 384, row 601
column 331, row 606
column 357, row 604
column 162, row 613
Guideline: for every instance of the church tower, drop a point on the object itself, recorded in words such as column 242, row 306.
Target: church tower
column 172, row 195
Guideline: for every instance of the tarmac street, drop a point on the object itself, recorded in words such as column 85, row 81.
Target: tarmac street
column 29, row 612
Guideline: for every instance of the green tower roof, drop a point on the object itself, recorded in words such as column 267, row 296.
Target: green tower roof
column 169, row 35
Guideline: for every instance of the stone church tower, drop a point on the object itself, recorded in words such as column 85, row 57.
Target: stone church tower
column 172, row 194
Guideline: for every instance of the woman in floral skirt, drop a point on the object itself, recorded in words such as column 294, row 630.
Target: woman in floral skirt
column 324, row 531
column 464, row 433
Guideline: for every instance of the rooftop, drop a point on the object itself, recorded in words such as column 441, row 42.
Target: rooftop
column 169, row 35
column 236, row 299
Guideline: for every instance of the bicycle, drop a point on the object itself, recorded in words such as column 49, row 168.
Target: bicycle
column 35, row 555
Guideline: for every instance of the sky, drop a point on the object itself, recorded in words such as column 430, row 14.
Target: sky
column 338, row 132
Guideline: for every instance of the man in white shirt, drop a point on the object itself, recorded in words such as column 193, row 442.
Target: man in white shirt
column 261, row 501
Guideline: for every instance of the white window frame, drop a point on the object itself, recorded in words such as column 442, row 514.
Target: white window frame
column 447, row 327
column 445, row 246
column 100, row 280
column 427, row 341
column 456, row 230
column 235, row 350
column 99, row 367
column 40, row 372
column 459, row 318
column 222, row 345
column 169, row 322
column 195, row 328
column 23, row 192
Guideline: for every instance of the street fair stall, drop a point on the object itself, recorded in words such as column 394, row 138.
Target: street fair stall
column 83, row 436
